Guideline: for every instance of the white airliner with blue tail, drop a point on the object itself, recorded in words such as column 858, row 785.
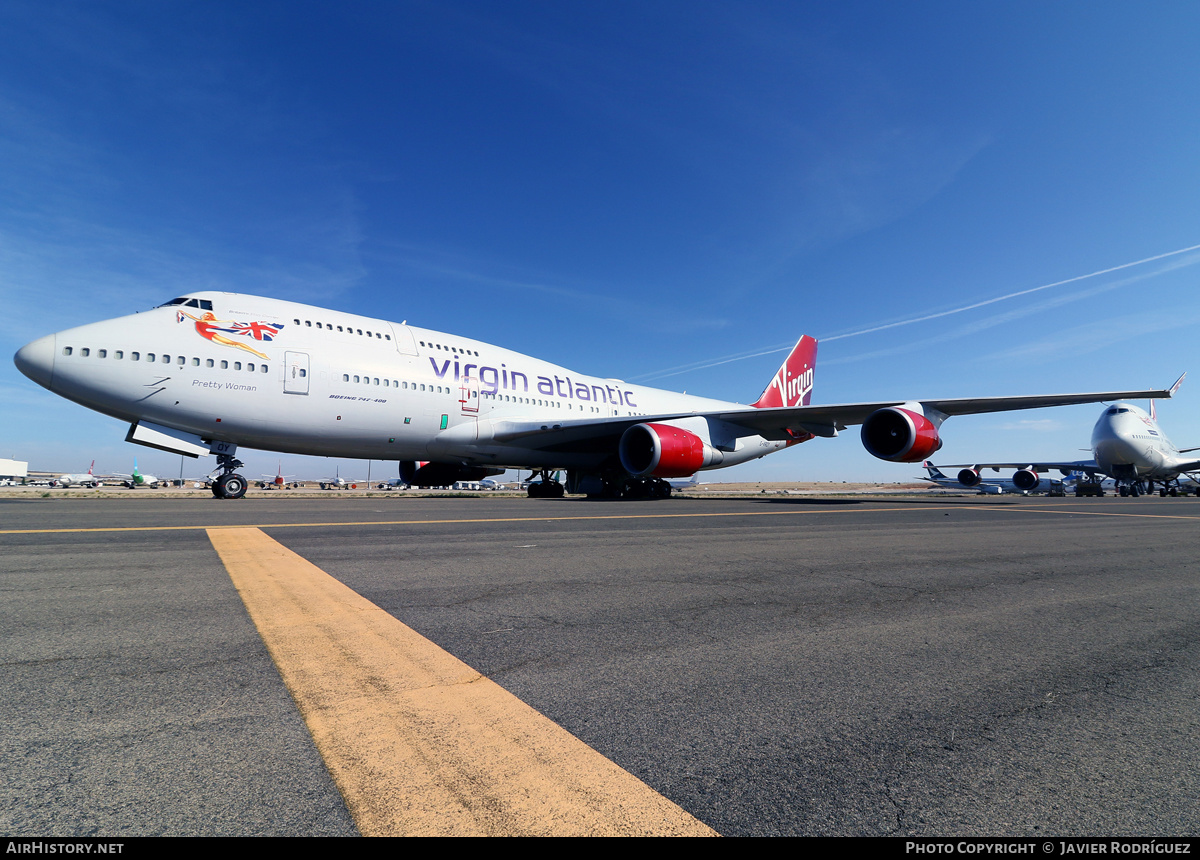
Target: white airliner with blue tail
column 209, row 372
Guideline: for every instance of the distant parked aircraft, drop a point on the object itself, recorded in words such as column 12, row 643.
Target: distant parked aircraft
column 76, row 480
column 278, row 480
column 1127, row 446
column 137, row 479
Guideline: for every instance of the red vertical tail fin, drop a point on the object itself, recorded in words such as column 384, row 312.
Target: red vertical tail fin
column 792, row 384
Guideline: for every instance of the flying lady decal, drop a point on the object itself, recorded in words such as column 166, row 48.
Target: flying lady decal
column 211, row 328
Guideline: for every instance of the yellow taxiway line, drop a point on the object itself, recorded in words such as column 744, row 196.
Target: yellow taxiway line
column 418, row 742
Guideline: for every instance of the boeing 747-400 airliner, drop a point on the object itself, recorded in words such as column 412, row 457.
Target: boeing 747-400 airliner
column 1127, row 446
column 209, row 372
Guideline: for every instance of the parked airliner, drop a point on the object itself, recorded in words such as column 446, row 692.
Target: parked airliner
column 137, row 479
column 77, row 480
column 1127, row 446
column 972, row 480
column 277, row 481
column 209, row 372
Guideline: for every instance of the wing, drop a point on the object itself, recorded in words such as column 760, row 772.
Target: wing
column 787, row 422
column 1088, row 467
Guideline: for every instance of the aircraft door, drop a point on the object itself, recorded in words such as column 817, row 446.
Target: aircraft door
column 295, row 373
column 468, row 395
column 402, row 336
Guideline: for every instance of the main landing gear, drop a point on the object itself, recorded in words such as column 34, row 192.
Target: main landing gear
column 546, row 488
column 646, row 488
column 594, row 486
column 229, row 485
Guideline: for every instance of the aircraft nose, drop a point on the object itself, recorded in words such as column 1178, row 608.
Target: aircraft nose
column 36, row 360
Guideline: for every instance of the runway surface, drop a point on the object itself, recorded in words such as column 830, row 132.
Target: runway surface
column 784, row 665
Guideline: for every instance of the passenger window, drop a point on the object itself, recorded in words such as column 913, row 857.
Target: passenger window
column 263, row 368
column 150, row 356
column 208, row 362
column 135, row 356
column 345, row 377
column 85, row 352
column 224, row 365
column 250, row 367
column 102, row 353
column 237, row 365
column 195, row 362
column 166, row 359
column 67, row 350
column 119, row 354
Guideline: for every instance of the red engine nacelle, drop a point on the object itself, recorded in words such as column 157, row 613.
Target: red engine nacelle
column 664, row 451
column 900, row 435
column 1025, row 479
column 969, row 477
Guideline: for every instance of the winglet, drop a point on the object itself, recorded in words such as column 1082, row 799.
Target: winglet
column 793, row 383
column 1170, row 393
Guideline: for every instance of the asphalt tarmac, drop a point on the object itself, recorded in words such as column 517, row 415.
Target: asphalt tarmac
column 774, row 666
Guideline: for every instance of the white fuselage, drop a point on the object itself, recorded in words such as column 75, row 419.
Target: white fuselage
column 277, row 375
column 1128, row 444
column 81, row 480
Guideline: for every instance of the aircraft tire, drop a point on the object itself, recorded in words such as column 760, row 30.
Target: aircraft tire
column 231, row 486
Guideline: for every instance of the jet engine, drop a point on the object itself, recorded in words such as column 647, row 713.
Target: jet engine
column 442, row 474
column 900, row 435
column 1025, row 479
column 664, row 451
column 969, row 477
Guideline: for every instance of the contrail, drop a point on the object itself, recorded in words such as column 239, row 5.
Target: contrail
column 701, row 365
column 1017, row 294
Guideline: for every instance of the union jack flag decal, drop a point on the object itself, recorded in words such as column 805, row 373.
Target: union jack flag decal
column 257, row 330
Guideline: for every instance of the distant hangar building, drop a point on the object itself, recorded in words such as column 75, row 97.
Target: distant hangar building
column 14, row 470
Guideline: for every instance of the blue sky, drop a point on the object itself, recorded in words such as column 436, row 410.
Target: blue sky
column 627, row 189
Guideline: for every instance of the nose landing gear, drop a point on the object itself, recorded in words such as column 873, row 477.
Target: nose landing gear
column 229, row 485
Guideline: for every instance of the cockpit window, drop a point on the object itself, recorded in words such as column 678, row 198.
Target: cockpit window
column 202, row 304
